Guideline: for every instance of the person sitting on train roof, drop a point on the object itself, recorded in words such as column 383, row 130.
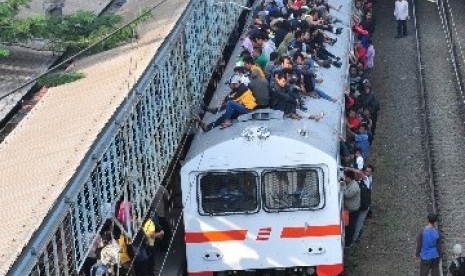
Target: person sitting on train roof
column 298, row 43
column 323, row 8
column 316, row 36
column 240, row 101
column 280, row 28
column 272, row 64
column 302, row 74
column 304, row 64
column 281, row 97
column 261, row 39
column 260, row 90
column 239, row 71
column 259, row 57
column 283, row 46
column 321, row 53
column 251, row 67
column 320, row 23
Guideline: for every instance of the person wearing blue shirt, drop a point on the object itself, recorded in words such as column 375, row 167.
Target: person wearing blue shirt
column 362, row 140
column 429, row 248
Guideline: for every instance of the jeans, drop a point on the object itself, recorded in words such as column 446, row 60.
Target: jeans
column 322, row 94
column 359, row 223
column 234, row 107
column 401, row 27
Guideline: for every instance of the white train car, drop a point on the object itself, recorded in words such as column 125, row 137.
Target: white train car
column 262, row 197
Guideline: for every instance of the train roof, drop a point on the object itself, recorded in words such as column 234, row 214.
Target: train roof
column 323, row 134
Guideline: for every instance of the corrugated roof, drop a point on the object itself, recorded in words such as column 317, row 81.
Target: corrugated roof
column 42, row 154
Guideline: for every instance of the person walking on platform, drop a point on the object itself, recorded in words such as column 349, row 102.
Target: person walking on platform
column 429, row 248
column 401, row 15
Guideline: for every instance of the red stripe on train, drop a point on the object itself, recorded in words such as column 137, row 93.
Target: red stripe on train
column 215, row 236
column 201, row 273
column 311, row 231
column 330, row 270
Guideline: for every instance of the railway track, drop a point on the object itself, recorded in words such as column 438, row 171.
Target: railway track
column 442, row 114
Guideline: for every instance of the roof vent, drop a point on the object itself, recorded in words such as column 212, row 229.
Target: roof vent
column 261, row 116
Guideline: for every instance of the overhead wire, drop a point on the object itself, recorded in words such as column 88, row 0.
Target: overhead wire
column 111, row 34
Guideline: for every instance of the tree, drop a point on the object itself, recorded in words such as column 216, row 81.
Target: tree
column 70, row 32
column 9, row 28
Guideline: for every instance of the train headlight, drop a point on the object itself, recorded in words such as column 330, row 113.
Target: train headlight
column 262, row 133
column 310, row 271
column 248, row 134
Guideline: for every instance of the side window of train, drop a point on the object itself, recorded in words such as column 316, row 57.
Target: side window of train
column 292, row 189
column 222, row 193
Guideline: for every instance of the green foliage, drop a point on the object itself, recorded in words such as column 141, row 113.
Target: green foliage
column 78, row 31
column 56, row 79
column 70, row 32
column 4, row 52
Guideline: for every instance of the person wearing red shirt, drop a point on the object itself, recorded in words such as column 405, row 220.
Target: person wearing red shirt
column 361, row 53
column 352, row 120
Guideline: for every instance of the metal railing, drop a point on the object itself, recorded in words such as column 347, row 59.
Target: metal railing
column 130, row 158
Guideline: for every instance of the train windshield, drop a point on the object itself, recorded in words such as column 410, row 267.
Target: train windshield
column 287, row 189
column 228, row 192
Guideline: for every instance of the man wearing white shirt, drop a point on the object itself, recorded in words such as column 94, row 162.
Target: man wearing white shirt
column 401, row 15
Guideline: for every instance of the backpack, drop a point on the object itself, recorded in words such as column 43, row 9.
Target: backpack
column 457, row 267
column 365, row 195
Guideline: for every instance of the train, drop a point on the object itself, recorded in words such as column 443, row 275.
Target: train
column 263, row 197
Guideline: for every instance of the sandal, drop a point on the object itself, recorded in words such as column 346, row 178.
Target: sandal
column 203, row 126
column 226, row 124
column 293, row 116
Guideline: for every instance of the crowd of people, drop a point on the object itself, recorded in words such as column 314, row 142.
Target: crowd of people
column 113, row 253
column 282, row 51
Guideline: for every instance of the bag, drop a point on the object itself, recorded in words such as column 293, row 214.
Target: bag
column 365, row 196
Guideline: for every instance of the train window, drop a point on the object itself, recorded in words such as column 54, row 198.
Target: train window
column 228, row 193
column 292, row 189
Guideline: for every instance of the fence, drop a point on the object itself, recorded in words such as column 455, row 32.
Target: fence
column 131, row 157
